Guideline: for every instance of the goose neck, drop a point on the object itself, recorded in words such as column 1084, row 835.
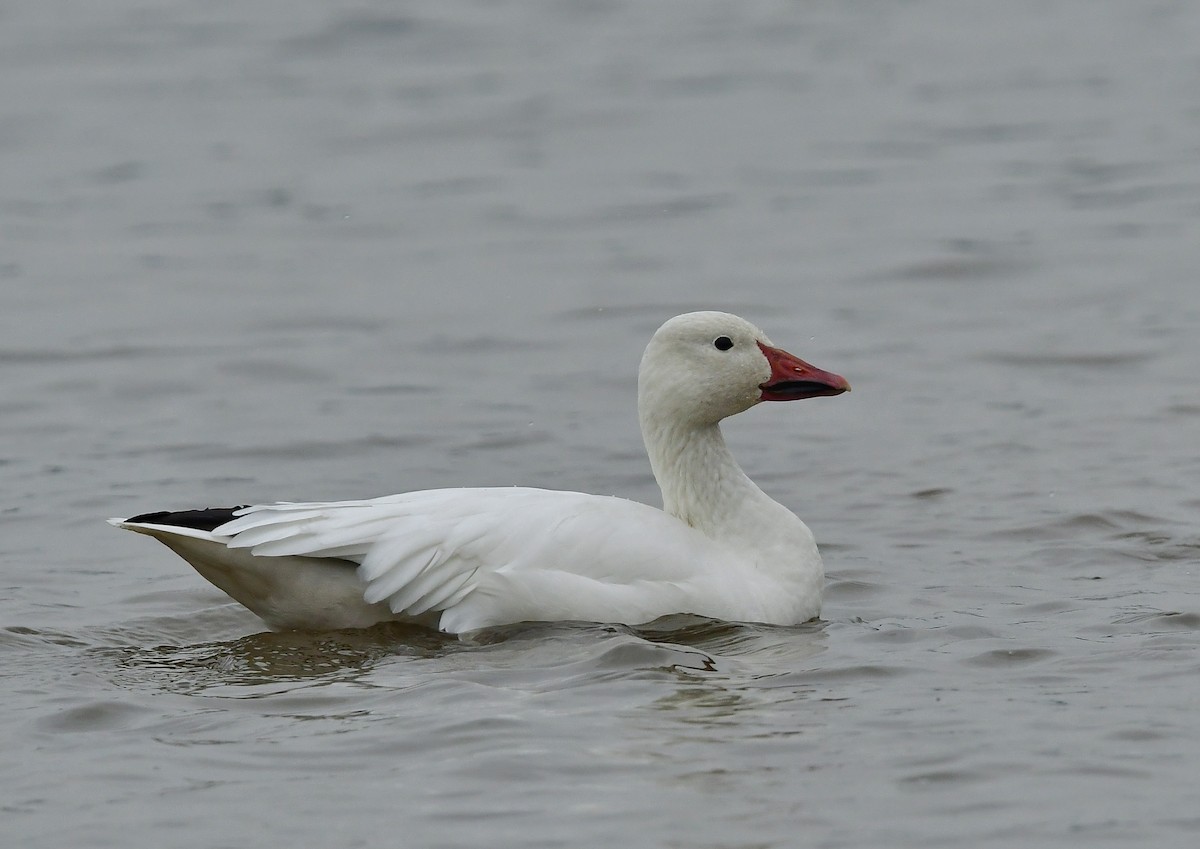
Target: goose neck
column 701, row 482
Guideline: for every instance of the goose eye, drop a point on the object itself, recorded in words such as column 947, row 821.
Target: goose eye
column 722, row 343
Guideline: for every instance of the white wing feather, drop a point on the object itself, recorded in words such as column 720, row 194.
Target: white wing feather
column 487, row 556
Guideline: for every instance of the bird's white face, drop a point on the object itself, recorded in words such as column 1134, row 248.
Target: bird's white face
column 702, row 367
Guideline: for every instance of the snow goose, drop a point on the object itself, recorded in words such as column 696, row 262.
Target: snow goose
column 464, row 559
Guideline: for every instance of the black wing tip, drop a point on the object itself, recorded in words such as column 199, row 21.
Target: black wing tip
column 208, row 519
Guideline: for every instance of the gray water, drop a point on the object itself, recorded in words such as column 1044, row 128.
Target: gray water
column 294, row 250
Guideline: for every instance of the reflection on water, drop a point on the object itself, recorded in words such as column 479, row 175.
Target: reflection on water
column 713, row 665
column 710, row 706
column 255, row 665
column 549, row 655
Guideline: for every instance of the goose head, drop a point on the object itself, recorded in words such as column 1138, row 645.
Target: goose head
column 702, row 367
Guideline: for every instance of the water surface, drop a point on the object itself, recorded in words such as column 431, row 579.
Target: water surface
column 268, row 251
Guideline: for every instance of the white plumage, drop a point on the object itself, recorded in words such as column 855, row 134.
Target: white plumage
column 464, row 559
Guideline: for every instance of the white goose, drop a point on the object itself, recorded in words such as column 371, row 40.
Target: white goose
column 464, row 559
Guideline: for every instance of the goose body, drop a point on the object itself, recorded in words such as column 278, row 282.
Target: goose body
column 470, row 558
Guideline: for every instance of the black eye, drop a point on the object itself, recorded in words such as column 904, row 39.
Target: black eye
column 722, row 343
